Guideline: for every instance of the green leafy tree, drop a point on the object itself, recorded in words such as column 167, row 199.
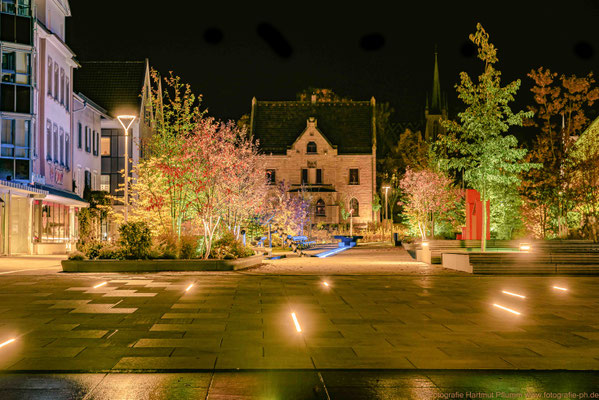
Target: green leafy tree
column 484, row 153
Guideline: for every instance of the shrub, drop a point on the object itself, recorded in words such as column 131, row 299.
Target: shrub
column 92, row 249
column 164, row 247
column 229, row 248
column 135, row 240
column 188, row 246
column 109, row 252
column 77, row 256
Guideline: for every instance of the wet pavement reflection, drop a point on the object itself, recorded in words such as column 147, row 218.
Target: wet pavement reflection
column 304, row 384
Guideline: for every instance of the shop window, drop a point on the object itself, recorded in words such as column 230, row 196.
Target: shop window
column 320, row 208
column 50, row 222
column 354, row 176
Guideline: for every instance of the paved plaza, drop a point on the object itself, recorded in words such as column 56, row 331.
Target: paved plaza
column 391, row 314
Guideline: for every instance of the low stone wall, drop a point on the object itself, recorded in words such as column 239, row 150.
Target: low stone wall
column 160, row 265
column 512, row 263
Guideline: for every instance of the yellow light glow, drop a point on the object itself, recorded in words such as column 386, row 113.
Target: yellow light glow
column 9, row 341
column 326, row 284
column 189, row 287
column 506, row 309
column 524, row 247
column 297, row 325
column 513, row 294
column 424, row 244
column 100, row 285
column 560, row 288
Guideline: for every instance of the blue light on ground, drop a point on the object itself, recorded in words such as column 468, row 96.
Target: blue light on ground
column 331, row 252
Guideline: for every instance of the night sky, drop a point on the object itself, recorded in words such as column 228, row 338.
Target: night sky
column 230, row 53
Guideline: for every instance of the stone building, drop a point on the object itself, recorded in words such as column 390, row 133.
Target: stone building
column 324, row 149
column 436, row 110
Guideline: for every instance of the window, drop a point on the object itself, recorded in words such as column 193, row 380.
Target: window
column 105, row 150
column 354, row 176
column 355, row 206
column 15, row 138
column 48, row 140
column 8, row 141
column 105, row 183
column 94, row 151
column 67, row 151
column 304, row 176
column 88, row 143
column 61, row 146
column 56, row 81
column 311, row 148
column 79, row 139
column 88, row 180
column 320, row 208
column 62, row 86
column 319, row 176
column 271, row 176
column 50, row 222
column 67, row 95
column 18, row 7
column 55, row 142
column 16, row 82
column 50, row 74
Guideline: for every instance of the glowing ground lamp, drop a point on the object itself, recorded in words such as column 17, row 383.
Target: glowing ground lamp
column 126, row 121
column 525, row 247
column 560, row 288
column 506, row 309
column 513, row 294
column 189, row 287
column 295, row 321
column 100, row 285
column 9, row 341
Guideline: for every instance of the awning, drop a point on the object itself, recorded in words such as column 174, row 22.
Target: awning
column 62, row 196
column 23, row 189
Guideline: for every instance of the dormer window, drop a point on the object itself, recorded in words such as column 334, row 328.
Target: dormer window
column 311, row 148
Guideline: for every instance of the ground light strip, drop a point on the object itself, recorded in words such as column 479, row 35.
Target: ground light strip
column 560, row 288
column 100, row 284
column 506, row 309
column 9, row 341
column 513, row 294
column 297, row 325
column 326, row 284
column 189, row 287
column 331, row 252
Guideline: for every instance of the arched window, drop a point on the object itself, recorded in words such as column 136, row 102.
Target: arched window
column 320, row 208
column 311, row 148
column 355, row 206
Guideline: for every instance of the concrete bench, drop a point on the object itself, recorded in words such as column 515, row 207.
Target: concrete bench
column 347, row 241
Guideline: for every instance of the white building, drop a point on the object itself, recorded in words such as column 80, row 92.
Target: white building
column 87, row 128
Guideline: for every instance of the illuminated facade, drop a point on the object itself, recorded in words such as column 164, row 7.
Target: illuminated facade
column 325, row 150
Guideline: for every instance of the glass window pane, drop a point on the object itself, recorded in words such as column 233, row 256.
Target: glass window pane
column 7, row 131
column 106, row 146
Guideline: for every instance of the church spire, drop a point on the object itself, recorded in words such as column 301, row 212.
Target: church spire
column 436, row 104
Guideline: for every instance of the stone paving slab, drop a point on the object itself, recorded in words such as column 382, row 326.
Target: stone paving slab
column 243, row 320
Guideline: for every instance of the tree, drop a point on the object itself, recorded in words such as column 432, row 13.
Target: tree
column 287, row 212
column 486, row 155
column 560, row 117
column 428, row 194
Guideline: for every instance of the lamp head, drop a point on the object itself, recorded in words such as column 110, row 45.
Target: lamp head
column 126, row 121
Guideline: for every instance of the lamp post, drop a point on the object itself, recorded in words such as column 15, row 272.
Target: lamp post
column 126, row 121
column 386, row 209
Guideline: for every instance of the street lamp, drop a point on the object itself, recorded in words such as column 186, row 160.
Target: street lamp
column 386, row 208
column 126, row 121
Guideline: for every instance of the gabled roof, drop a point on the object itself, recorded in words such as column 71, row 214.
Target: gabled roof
column 346, row 124
column 115, row 86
